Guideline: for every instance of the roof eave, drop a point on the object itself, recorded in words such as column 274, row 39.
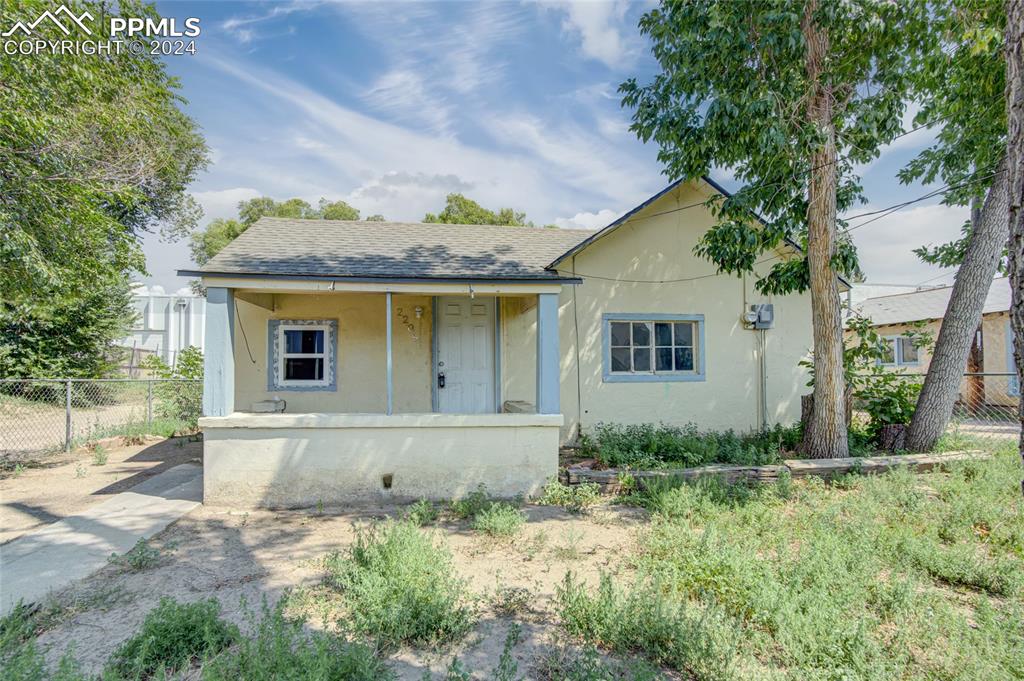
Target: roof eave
column 386, row 279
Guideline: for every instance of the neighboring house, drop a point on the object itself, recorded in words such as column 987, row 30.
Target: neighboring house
column 420, row 360
column 165, row 324
column 895, row 316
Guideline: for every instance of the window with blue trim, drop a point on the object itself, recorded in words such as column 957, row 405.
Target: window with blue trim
column 899, row 351
column 655, row 348
column 302, row 354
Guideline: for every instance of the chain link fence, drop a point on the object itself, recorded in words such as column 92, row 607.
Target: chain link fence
column 985, row 408
column 46, row 415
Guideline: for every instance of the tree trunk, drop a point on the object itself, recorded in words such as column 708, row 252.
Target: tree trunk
column 976, row 383
column 827, row 436
column 1015, row 192
column 959, row 324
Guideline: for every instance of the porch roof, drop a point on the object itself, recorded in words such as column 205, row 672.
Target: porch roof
column 354, row 249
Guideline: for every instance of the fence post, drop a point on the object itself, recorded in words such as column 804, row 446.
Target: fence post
column 149, row 402
column 67, row 415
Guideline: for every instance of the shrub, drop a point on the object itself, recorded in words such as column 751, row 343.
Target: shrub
column 140, row 557
column 400, row 587
column 570, row 665
column 472, row 504
column 172, row 636
column 181, row 400
column 667, row 631
column 421, row 513
column 282, row 649
column 499, row 520
column 647, row 445
column 574, row 498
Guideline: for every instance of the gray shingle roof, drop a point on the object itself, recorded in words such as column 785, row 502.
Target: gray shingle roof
column 929, row 304
column 355, row 248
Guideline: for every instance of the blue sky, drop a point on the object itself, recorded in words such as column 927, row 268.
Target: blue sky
column 390, row 106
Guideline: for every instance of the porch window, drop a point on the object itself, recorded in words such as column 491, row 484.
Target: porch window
column 302, row 354
column 653, row 347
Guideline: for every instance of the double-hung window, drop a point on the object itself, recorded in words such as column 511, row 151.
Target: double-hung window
column 653, row 347
column 899, row 351
column 303, row 354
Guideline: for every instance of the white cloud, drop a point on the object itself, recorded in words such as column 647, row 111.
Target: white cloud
column 886, row 246
column 243, row 28
column 600, row 28
column 404, row 95
column 597, row 220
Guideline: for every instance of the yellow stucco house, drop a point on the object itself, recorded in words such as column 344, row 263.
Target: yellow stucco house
column 989, row 378
column 359, row 361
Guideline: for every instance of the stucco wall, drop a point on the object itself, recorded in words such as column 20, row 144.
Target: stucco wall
column 654, row 247
column 361, row 385
column 283, row 460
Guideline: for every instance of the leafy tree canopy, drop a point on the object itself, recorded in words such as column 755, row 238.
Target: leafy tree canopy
column 733, row 92
column 459, row 210
column 220, row 232
column 94, row 150
column 959, row 82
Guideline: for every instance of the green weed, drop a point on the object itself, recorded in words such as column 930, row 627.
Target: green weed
column 400, row 587
column 421, row 513
column 140, row 557
column 574, row 498
column 500, row 520
column 172, row 637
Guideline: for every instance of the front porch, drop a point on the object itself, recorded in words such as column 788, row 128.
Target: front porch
column 387, row 391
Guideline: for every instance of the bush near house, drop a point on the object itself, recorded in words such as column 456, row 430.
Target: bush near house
column 178, row 401
column 645, row 446
column 399, row 587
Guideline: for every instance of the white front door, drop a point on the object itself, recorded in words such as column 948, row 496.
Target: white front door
column 464, row 366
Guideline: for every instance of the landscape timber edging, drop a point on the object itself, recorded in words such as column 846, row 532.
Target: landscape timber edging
column 609, row 480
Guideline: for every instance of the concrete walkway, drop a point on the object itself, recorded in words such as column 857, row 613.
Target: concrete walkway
column 49, row 559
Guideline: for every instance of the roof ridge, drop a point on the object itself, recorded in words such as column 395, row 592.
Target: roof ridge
column 317, row 221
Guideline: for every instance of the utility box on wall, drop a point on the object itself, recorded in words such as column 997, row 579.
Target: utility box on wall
column 764, row 315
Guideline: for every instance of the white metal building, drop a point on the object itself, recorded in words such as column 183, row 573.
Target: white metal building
column 166, row 323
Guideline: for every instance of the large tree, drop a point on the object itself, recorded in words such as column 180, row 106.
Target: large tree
column 94, row 151
column 789, row 95
column 1015, row 203
column 459, row 210
column 219, row 233
column 959, row 83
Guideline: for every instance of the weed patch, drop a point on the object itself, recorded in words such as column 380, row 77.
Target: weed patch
column 142, row 556
column 400, row 587
column 643, row 619
column 499, row 520
column 573, row 498
column 280, row 649
column 172, row 636
column 421, row 513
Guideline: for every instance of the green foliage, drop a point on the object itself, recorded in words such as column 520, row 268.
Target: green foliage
column 63, row 335
column 587, row 665
column 910, row 576
column 472, row 504
column 459, row 210
column 645, row 446
column 282, row 649
column 100, row 455
column 400, row 587
column 499, row 520
column 574, row 498
column 671, row 632
column 94, row 149
column 172, row 636
column 220, row 232
column 421, row 513
column 178, row 401
column 733, row 92
column 887, row 395
column 142, row 556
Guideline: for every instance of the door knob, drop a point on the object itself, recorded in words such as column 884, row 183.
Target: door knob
column 440, row 379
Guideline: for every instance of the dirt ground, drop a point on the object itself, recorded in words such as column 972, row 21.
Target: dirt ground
column 51, row 487
column 241, row 557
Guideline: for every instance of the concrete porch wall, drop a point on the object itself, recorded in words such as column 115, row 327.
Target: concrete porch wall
column 292, row 460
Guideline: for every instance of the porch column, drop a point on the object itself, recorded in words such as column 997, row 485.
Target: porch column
column 390, row 364
column 547, row 354
column 219, row 353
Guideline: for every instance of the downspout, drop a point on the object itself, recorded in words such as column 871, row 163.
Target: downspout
column 576, row 331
